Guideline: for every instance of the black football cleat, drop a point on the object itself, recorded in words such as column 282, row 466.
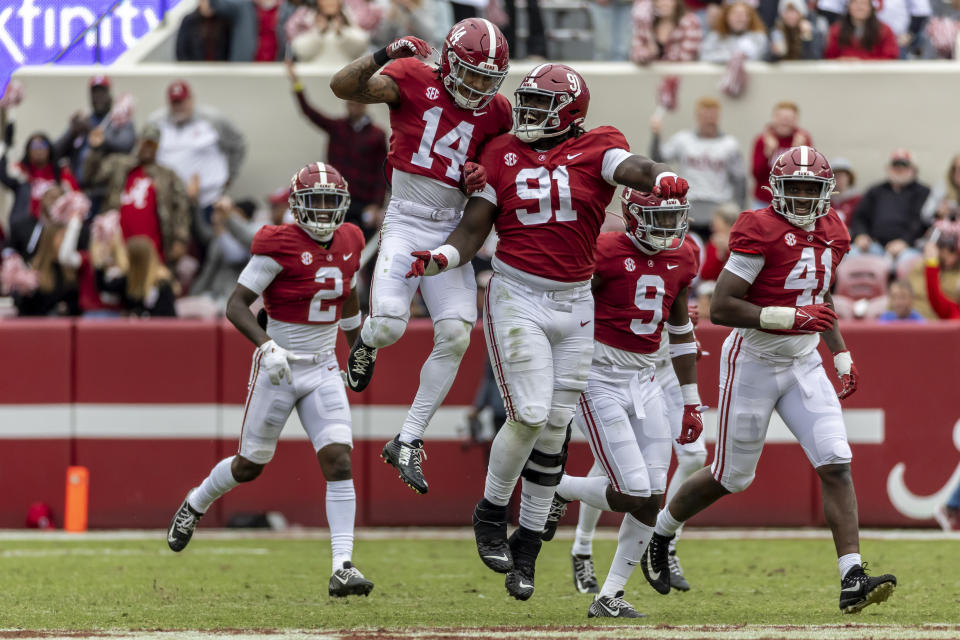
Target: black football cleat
column 857, row 589
column 525, row 547
column 613, row 607
column 584, row 576
column 490, row 532
column 182, row 526
column 360, row 366
column 656, row 563
column 407, row 459
column 557, row 510
column 348, row 581
column 677, row 581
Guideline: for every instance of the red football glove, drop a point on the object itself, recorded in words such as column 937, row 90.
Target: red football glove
column 474, row 177
column 847, row 371
column 814, row 318
column 407, row 47
column 693, row 312
column 426, row 264
column 670, row 186
column 692, row 425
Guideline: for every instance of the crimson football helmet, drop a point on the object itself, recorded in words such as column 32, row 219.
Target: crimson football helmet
column 655, row 222
column 549, row 101
column 473, row 62
column 801, row 165
column 319, row 198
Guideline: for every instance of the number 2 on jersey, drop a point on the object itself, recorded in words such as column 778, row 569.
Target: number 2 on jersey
column 543, row 194
column 452, row 146
column 317, row 311
column 642, row 301
column 803, row 276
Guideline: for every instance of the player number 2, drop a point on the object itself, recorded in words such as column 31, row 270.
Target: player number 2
column 317, row 311
column 452, row 146
column 647, row 284
column 542, row 193
column 803, row 276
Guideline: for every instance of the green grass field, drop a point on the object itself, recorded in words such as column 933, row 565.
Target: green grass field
column 282, row 584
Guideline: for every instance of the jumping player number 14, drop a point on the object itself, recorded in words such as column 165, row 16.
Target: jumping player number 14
column 459, row 136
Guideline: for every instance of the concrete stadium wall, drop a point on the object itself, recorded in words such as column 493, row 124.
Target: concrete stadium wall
column 859, row 110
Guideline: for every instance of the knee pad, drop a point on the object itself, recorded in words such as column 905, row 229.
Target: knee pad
column 383, row 330
column 453, row 336
column 737, row 482
column 691, row 460
column 532, row 415
column 637, row 482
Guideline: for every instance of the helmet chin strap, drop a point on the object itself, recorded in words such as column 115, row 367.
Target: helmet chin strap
column 650, row 251
column 325, row 238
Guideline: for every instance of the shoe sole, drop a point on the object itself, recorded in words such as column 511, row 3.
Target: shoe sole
column 386, row 460
column 359, row 590
column 591, row 614
column 880, row 594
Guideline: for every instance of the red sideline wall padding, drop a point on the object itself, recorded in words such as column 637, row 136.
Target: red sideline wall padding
column 70, row 380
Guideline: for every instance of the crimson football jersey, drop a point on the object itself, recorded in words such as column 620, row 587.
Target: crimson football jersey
column 798, row 265
column 552, row 203
column 314, row 281
column 431, row 136
column 637, row 290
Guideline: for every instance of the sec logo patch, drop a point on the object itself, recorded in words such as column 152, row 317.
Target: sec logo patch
column 510, row 159
column 433, row 93
column 629, row 264
column 306, row 258
column 790, row 239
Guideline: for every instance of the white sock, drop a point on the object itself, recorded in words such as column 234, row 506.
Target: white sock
column 631, row 543
column 848, row 562
column 341, row 511
column 591, row 490
column 213, row 486
column 535, row 501
column 436, row 376
column 667, row 525
column 586, row 525
column 508, row 455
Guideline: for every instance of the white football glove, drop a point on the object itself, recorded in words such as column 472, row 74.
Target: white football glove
column 276, row 360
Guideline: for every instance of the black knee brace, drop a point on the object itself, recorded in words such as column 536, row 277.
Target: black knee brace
column 544, row 478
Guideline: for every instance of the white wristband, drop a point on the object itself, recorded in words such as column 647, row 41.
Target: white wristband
column 353, row 322
column 665, row 174
column 451, row 253
column 842, row 362
column 777, row 317
column 679, row 330
column 678, row 349
column 690, row 394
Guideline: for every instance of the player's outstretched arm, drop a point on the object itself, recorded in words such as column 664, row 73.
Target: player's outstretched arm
column 239, row 314
column 461, row 245
column 357, row 81
column 683, row 354
column 351, row 320
column 643, row 174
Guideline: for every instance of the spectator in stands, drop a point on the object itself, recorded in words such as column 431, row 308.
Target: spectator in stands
column 779, row 135
column 535, row 45
column 463, row 9
column 845, row 195
column 942, row 31
column 709, row 159
column 739, row 30
column 197, row 141
column 119, row 135
column 943, row 252
column 146, row 288
column 326, row 34
column 944, row 200
column 256, row 28
column 151, row 199
column 358, row 148
column 860, row 35
column 92, row 302
column 612, row 22
column 888, row 218
column 204, row 35
column 907, row 19
column 717, row 249
column 900, row 300
column 409, row 17
column 279, row 202
column 795, row 34
column 664, row 30
column 40, row 167
column 227, row 240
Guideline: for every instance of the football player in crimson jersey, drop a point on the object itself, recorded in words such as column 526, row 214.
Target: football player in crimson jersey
column 641, row 283
column 441, row 117
column 307, row 275
column 548, row 186
column 775, row 289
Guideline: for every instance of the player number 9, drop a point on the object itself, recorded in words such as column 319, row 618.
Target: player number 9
column 655, row 304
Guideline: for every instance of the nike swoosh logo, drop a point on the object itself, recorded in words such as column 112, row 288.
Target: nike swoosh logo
column 851, row 589
column 583, row 324
column 632, row 564
column 524, row 585
column 672, row 266
column 342, row 581
column 653, row 576
column 503, row 557
column 829, row 243
column 350, row 379
column 346, row 256
column 571, row 156
column 331, row 368
column 613, row 612
column 479, row 113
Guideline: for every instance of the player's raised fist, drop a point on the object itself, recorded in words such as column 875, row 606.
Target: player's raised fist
column 474, row 177
column 692, row 425
column 814, row 318
column 670, row 185
column 847, row 371
column 426, row 264
column 408, row 47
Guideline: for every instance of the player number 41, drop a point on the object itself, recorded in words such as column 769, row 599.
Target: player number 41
column 803, row 276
